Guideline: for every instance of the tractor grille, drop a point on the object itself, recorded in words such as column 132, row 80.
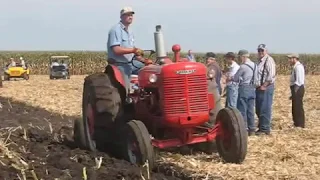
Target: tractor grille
column 185, row 94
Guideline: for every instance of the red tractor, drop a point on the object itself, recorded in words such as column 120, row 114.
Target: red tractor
column 168, row 106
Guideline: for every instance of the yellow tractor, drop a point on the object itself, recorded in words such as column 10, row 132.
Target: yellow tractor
column 17, row 71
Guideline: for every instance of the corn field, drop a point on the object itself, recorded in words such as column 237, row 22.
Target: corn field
column 87, row 62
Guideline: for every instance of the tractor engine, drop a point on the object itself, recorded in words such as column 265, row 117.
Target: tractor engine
column 175, row 90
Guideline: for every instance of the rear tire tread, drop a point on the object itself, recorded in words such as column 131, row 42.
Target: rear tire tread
column 105, row 101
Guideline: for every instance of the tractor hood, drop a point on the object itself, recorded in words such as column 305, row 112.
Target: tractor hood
column 182, row 69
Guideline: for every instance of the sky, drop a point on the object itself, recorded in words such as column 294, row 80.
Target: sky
column 285, row 26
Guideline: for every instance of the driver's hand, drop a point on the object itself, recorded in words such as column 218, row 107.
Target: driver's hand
column 147, row 61
column 138, row 52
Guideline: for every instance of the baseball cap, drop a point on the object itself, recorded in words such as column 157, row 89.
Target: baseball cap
column 262, row 46
column 293, row 55
column 230, row 54
column 210, row 55
column 243, row 52
column 126, row 10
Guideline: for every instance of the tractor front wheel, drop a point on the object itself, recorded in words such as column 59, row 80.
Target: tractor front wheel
column 26, row 76
column 232, row 139
column 100, row 107
column 138, row 148
column 1, row 85
column 6, row 77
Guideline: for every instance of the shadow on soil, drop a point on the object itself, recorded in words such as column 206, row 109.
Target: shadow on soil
column 51, row 153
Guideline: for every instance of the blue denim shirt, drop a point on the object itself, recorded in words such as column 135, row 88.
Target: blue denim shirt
column 245, row 73
column 118, row 35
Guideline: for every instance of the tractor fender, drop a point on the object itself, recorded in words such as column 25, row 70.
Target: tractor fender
column 114, row 72
column 117, row 77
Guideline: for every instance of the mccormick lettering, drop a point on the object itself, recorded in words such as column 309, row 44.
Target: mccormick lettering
column 189, row 71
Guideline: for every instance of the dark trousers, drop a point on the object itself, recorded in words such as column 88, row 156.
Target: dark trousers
column 297, row 106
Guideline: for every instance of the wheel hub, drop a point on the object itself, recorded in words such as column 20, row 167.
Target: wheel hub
column 133, row 151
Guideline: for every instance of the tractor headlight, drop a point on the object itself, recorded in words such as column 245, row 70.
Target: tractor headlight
column 152, row 78
column 211, row 74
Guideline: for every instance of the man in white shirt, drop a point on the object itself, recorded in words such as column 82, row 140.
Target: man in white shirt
column 297, row 90
column 55, row 63
column 232, row 87
column 13, row 63
column 23, row 64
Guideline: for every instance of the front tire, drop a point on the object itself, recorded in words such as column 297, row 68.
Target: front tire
column 232, row 139
column 138, row 148
column 100, row 107
column 6, row 77
column 26, row 76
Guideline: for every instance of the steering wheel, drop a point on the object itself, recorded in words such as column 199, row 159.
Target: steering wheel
column 134, row 58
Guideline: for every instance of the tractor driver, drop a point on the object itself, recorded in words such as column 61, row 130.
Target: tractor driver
column 121, row 47
column 12, row 63
column 55, row 63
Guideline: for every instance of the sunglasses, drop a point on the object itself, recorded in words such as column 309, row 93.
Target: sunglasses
column 260, row 50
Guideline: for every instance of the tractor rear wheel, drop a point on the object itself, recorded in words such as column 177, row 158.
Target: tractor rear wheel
column 100, row 106
column 138, row 148
column 232, row 139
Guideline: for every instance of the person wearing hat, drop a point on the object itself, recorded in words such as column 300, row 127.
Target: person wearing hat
column 213, row 87
column 231, row 87
column 121, row 47
column 265, row 90
column 297, row 90
column 12, row 63
column 248, row 81
column 212, row 63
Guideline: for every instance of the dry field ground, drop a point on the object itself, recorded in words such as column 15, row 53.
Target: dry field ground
column 289, row 153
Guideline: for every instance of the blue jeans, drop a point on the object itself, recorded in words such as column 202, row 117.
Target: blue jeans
column 264, row 100
column 137, row 66
column 245, row 105
column 232, row 95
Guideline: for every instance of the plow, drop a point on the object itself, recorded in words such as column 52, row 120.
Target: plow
column 170, row 104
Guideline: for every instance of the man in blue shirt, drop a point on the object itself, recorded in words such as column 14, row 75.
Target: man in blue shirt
column 190, row 56
column 121, row 47
column 247, row 76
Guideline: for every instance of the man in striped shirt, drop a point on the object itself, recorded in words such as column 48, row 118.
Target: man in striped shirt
column 297, row 90
column 265, row 90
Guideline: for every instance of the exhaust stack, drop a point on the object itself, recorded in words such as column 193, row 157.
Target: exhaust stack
column 159, row 43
